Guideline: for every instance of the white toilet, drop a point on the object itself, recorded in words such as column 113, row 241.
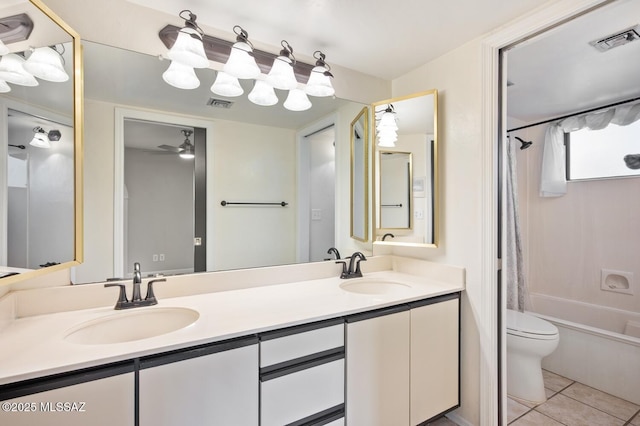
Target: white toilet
column 529, row 339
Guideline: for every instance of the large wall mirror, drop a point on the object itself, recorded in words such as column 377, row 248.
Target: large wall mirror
column 41, row 149
column 360, row 176
column 406, row 170
column 266, row 186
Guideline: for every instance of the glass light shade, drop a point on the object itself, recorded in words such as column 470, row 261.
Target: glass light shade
column 263, row 94
column 3, row 48
column 319, row 84
column 281, row 75
column 387, row 121
column 12, row 71
column 240, row 63
column 297, row 100
column 40, row 140
column 188, row 49
column 46, row 64
column 4, row 87
column 181, row 76
column 186, row 151
column 226, row 85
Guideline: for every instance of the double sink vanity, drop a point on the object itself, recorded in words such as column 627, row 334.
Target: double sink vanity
column 380, row 349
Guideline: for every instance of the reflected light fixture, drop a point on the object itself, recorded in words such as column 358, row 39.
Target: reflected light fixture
column 226, row 85
column 47, row 63
column 186, row 148
column 41, row 138
column 181, row 76
column 4, row 87
column 319, row 83
column 241, row 62
column 12, row 71
column 387, row 128
column 297, row 100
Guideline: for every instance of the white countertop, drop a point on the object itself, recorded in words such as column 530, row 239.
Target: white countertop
column 35, row 346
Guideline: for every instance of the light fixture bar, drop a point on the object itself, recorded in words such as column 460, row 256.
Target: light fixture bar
column 15, row 28
column 218, row 50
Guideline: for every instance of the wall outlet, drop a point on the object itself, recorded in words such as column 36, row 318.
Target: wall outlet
column 418, row 214
column 316, row 214
column 161, row 257
column 155, row 257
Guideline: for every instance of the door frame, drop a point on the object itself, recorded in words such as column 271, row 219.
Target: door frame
column 119, row 269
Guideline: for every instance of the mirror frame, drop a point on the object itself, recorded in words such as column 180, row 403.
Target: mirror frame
column 364, row 113
column 435, row 172
column 78, row 132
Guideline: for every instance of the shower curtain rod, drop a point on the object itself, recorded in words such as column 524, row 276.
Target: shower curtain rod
column 573, row 115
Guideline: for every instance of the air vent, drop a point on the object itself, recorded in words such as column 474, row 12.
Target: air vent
column 618, row 39
column 219, row 103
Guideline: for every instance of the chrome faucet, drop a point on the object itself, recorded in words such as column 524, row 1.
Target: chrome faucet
column 354, row 270
column 136, row 298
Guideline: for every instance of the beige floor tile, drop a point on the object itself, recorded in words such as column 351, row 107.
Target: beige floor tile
column 602, row 401
column 533, row 418
column 515, row 409
column 636, row 420
column 573, row 413
column 442, row 421
column 555, row 382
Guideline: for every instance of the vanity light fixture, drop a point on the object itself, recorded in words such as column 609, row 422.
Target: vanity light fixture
column 242, row 61
column 47, row 63
column 188, row 48
column 319, row 83
column 387, row 128
column 4, row 87
column 3, row 48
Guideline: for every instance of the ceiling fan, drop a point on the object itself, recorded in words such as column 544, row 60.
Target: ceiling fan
column 185, row 149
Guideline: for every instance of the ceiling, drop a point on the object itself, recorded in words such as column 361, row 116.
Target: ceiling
column 382, row 38
column 559, row 72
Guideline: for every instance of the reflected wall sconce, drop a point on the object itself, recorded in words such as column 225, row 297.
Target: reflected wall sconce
column 387, row 127
column 242, row 61
column 41, row 137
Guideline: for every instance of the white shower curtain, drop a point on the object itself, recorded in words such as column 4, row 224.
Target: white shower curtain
column 513, row 269
column 553, row 181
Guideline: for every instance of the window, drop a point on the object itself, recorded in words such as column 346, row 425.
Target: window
column 598, row 154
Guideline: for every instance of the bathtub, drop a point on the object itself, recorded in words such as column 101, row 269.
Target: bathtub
column 593, row 347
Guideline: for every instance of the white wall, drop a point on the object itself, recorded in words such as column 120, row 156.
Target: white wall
column 322, row 193
column 457, row 77
column 569, row 239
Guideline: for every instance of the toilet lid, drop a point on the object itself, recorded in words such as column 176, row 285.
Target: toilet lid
column 527, row 325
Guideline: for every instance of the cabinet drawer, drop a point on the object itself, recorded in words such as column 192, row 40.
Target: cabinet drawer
column 304, row 393
column 285, row 345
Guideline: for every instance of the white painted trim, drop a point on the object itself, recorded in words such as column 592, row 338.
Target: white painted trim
column 550, row 14
column 118, row 189
column 460, row 421
column 303, row 219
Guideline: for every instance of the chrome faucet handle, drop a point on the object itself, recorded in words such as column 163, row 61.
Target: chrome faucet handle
column 122, row 296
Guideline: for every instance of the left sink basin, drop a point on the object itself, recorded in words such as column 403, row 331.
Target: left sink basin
column 132, row 325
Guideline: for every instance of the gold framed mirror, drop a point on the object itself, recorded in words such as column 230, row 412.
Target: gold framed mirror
column 405, row 138
column 41, row 211
column 360, row 176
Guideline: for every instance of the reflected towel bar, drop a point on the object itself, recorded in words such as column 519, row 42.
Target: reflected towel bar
column 224, row 203
column 391, row 205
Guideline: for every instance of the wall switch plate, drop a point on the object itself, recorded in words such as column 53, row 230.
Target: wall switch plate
column 316, row 214
column 161, row 257
column 155, row 257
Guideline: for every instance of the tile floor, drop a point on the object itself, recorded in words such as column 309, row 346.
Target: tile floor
column 571, row 403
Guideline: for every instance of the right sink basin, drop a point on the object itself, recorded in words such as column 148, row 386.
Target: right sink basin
column 369, row 286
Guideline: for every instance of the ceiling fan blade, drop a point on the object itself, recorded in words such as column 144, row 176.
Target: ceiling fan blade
column 170, row 148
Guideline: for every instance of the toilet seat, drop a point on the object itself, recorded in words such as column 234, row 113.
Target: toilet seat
column 529, row 326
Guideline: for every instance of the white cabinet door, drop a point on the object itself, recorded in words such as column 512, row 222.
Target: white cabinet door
column 434, row 359
column 377, row 353
column 102, row 402
column 216, row 389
